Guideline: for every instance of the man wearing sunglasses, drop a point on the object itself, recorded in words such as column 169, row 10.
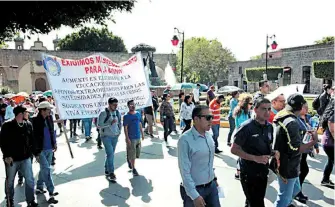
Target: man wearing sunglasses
column 252, row 143
column 199, row 184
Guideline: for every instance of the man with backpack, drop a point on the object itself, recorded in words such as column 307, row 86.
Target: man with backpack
column 320, row 103
column 109, row 124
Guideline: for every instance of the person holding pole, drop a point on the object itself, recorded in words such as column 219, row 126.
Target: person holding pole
column 17, row 143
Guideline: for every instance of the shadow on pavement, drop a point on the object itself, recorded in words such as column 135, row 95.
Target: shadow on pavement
column 318, row 162
column 172, row 151
column 153, row 151
column 315, row 194
column 115, row 195
column 230, row 161
column 141, row 188
column 271, row 193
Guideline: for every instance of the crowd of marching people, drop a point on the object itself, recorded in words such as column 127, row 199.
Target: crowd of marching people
column 272, row 138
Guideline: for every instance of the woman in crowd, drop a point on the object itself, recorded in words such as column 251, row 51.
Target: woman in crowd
column 181, row 100
column 305, row 125
column 327, row 123
column 241, row 114
column 166, row 115
column 232, row 104
column 186, row 112
column 87, row 123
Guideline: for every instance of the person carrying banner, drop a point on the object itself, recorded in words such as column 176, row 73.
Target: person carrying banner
column 109, row 124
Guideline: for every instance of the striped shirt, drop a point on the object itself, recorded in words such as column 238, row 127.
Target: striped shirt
column 214, row 107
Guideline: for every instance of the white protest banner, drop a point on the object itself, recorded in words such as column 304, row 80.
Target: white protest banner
column 81, row 88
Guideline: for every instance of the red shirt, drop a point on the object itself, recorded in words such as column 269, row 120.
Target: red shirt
column 272, row 116
column 214, row 107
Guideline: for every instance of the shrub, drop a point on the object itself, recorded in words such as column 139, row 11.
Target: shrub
column 324, row 69
column 256, row 74
column 4, row 90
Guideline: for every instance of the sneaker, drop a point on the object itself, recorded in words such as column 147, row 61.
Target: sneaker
column 328, row 183
column 20, row 182
column 302, row 196
column 237, row 176
column 53, row 163
column 40, row 191
column 217, row 151
column 151, row 135
column 52, row 200
column 32, row 204
column 111, row 177
column 106, row 173
column 53, row 194
column 135, row 173
column 300, row 199
column 229, row 144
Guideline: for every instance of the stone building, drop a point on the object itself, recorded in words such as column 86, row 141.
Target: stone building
column 22, row 70
column 296, row 63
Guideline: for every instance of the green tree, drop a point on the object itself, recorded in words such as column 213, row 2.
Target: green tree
column 92, row 39
column 3, row 45
column 256, row 57
column 325, row 40
column 204, row 60
column 42, row 17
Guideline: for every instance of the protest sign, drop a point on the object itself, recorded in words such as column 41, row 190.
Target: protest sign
column 81, row 88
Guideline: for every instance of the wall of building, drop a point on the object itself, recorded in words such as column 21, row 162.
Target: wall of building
column 295, row 58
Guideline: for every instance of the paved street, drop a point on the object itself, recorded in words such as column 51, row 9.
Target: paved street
column 81, row 181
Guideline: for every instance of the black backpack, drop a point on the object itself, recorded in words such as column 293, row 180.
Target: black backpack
column 316, row 103
column 109, row 115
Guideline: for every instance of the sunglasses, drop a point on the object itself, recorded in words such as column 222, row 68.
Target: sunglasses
column 207, row 117
column 250, row 104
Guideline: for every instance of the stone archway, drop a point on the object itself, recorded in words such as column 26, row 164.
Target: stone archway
column 40, row 84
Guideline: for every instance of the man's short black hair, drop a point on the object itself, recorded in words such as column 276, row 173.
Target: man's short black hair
column 41, row 99
column 221, row 97
column 19, row 109
column 261, row 100
column 262, row 83
column 198, row 110
column 198, row 84
column 326, row 86
column 112, row 100
column 129, row 102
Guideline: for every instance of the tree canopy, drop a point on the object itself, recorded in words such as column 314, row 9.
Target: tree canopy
column 204, row 60
column 44, row 16
column 92, row 39
column 256, row 57
column 325, row 40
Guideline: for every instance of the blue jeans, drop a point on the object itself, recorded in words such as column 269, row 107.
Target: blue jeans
column 209, row 194
column 26, row 169
column 182, row 123
column 231, row 127
column 110, row 145
column 44, row 176
column 216, row 131
column 287, row 191
column 87, row 123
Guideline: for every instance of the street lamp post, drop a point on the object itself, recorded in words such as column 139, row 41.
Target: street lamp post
column 175, row 41
column 273, row 46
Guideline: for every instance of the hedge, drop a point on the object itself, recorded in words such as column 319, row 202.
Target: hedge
column 256, row 74
column 324, row 69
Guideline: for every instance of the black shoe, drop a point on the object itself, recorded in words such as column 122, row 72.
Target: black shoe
column 53, row 194
column 53, row 163
column 32, row 204
column 100, row 147
column 217, row 151
column 327, row 183
column 111, row 177
column 106, row 173
column 75, row 134
column 237, row 176
column 302, row 196
column 129, row 165
column 20, row 182
column 300, row 199
column 229, row 144
column 135, row 173
column 151, row 135
column 40, row 191
column 52, row 200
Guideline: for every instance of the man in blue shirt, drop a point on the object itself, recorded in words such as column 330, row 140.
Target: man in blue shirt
column 43, row 128
column 133, row 132
column 195, row 159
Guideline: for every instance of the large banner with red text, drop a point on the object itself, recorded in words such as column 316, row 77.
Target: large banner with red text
column 81, row 88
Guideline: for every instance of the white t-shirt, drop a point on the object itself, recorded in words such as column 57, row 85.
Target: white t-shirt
column 196, row 95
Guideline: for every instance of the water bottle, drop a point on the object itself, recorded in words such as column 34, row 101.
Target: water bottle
column 315, row 122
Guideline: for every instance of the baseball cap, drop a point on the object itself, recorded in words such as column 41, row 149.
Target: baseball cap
column 19, row 109
column 45, row 105
column 295, row 102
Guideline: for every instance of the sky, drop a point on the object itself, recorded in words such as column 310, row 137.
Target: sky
column 240, row 25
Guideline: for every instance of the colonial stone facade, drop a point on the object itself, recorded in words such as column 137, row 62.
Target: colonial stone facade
column 297, row 62
column 22, row 70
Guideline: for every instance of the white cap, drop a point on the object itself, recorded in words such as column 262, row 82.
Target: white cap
column 45, row 105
